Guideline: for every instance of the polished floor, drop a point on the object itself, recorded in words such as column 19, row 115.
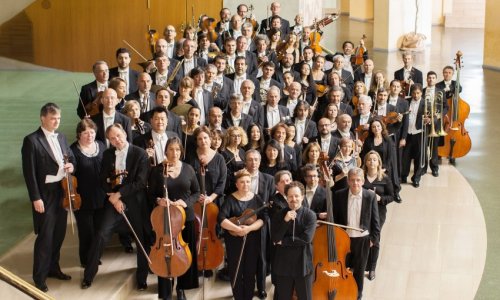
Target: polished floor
column 440, row 243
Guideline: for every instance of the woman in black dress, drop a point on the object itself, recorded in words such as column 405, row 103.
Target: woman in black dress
column 215, row 166
column 193, row 120
column 272, row 160
column 377, row 181
column 307, row 82
column 255, row 138
column 234, row 235
column 234, row 154
column 88, row 156
column 183, row 191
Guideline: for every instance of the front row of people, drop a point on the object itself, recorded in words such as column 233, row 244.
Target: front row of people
column 133, row 189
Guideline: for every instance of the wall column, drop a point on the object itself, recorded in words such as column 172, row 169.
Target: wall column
column 492, row 35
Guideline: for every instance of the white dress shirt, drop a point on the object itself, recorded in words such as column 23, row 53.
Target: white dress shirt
column 354, row 204
column 124, row 74
column 300, row 130
column 238, row 80
column 160, row 140
column 121, row 158
column 412, row 119
column 198, row 98
column 273, row 116
column 58, row 155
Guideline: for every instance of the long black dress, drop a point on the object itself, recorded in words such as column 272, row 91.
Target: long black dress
column 233, row 165
column 88, row 217
column 184, row 186
column 245, row 283
column 383, row 188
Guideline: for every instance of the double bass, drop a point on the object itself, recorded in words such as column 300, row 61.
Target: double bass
column 457, row 143
column 170, row 255
column 331, row 244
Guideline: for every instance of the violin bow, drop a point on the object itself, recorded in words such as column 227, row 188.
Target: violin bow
column 87, row 116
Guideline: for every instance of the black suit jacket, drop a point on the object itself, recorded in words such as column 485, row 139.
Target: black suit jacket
column 142, row 141
column 417, row 76
column 266, row 186
column 133, row 188
column 369, row 219
column 245, row 121
column 283, row 111
column 318, row 203
column 198, row 62
column 278, row 75
column 334, row 144
column 132, row 77
column 252, row 65
column 119, row 118
column 256, row 94
column 285, row 26
column 293, row 256
column 255, row 111
column 174, row 85
column 38, row 161
column 136, row 96
column 226, row 92
column 174, row 122
column 207, row 103
column 441, row 85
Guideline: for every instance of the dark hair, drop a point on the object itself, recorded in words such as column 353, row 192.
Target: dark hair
column 301, row 103
column 431, row 73
column 115, row 82
column 268, row 64
column 385, row 134
column 200, row 130
column 308, row 168
column 279, row 159
column 196, row 71
column 117, row 126
column 83, row 125
column 347, row 42
column 49, row 108
column 416, row 86
column 295, row 184
column 159, row 110
column 260, row 145
column 122, row 50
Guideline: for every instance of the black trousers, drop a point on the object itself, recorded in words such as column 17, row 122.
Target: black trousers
column 245, row 280
column 357, row 259
column 375, row 249
column 285, row 285
column 88, row 222
column 110, row 222
column 51, row 230
column 263, row 265
column 433, row 143
column 412, row 151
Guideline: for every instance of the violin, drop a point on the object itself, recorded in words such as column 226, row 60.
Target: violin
column 331, row 244
column 209, row 245
column 392, row 117
column 357, row 59
column 248, row 217
column 116, row 179
column 152, row 37
column 208, row 26
column 457, row 142
column 72, row 200
column 170, row 255
column 94, row 107
column 362, row 132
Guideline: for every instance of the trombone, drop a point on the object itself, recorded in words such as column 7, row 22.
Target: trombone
column 438, row 114
column 423, row 137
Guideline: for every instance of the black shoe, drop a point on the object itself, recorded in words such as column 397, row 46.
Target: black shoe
column 371, row 275
column 452, row 161
column 404, row 180
column 59, row 275
column 128, row 249
column 262, row 294
column 142, row 286
column 181, row 295
column 223, row 275
column 208, row 273
column 85, row 284
column 435, row 173
column 398, row 198
column 42, row 287
column 416, row 184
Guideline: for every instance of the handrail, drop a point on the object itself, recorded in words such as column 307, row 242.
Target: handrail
column 22, row 285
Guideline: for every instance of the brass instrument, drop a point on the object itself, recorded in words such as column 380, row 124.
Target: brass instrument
column 440, row 98
column 423, row 137
column 326, row 50
column 215, row 90
column 152, row 159
column 229, row 69
column 174, row 73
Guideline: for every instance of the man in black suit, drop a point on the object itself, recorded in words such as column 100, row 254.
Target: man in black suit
column 189, row 61
column 273, row 113
column 440, row 107
column 328, row 143
column 240, row 75
column 301, row 119
column 89, row 91
column 143, row 95
column 44, row 167
column 227, row 85
column 291, row 101
column 286, row 65
column 235, row 116
column 170, row 48
column 110, row 116
column 364, row 117
column 128, row 197
column 448, row 85
column 162, row 99
column 223, row 24
column 413, row 142
column 250, row 57
column 124, row 71
column 367, row 75
column 344, row 125
column 293, row 230
column 267, row 22
column 201, row 97
column 409, row 75
column 263, row 185
column 266, row 80
column 250, row 106
column 357, row 207
column 315, row 196
column 220, row 94
column 215, row 119
column 347, row 78
column 164, row 70
column 233, row 32
column 158, row 134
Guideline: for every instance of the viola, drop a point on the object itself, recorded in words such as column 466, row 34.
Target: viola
column 116, row 179
column 331, row 244
column 357, row 59
column 72, row 200
column 209, row 247
column 170, row 255
column 457, row 142
column 362, row 132
column 94, row 107
column 248, row 217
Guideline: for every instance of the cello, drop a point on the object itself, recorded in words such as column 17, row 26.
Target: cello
column 170, row 255
column 209, row 246
column 457, row 143
column 358, row 58
column 331, row 244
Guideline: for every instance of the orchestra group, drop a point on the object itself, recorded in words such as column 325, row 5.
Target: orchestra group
column 237, row 133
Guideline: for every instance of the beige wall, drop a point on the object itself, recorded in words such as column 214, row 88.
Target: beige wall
column 465, row 13
column 361, row 9
column 492, row 35
column 437, row 13
column 11, row 8
column 344, row 6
